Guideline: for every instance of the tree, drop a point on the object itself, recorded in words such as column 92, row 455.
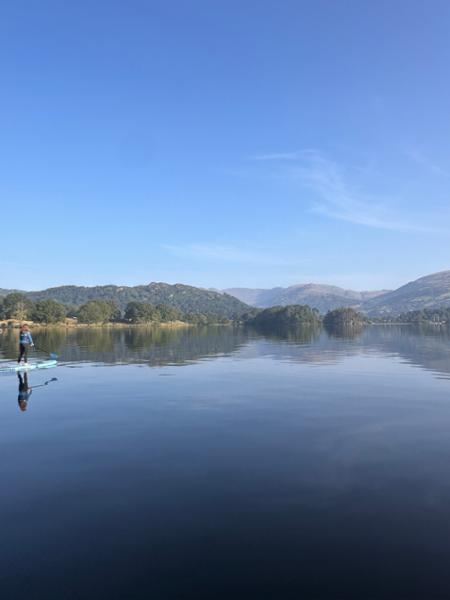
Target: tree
column 48, row 311
column 97, row 311
column 141, row 312
column 198, row 319
column 285, row 316
column 168, row 313
column 343, row 316
column 16, row 306
column 115, row 312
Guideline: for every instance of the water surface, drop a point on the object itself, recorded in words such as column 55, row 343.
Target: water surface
column 225, row 463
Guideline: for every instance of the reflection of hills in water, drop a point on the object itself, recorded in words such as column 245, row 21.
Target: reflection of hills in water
column 427, row 347
column 154, row 346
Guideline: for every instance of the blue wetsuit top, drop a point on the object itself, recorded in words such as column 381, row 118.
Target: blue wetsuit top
column 25, row 337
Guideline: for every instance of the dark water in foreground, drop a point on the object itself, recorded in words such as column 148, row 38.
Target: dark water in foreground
column 217, row 463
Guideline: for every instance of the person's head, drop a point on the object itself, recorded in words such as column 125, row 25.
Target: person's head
column 23, row 405
column 24, row 327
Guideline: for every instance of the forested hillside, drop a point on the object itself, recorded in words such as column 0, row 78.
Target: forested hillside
column 187, row 299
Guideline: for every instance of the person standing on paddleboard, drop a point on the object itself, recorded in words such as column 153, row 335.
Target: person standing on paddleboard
column 25, row 341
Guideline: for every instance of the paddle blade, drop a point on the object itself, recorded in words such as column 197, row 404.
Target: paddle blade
column 53, row 356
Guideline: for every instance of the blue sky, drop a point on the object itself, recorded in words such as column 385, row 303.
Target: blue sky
column 224, row 143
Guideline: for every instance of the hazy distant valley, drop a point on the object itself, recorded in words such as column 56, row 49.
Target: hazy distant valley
column 431, row 291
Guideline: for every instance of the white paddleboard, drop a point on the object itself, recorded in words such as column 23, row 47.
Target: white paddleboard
column 42, row 364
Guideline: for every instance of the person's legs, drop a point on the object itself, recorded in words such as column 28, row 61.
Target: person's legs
column 23, row 353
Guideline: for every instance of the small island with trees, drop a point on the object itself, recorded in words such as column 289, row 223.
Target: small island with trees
column 343, row 317
column 283, row 316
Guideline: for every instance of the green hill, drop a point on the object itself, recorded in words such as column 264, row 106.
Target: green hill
column 186, row 298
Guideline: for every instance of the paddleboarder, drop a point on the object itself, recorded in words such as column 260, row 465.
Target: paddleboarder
column 25, row 341
column 24, row 391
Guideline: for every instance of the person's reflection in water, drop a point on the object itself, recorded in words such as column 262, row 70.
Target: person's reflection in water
column 24, row 391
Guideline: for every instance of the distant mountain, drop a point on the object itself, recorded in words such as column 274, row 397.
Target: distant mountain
column 4, row 292
column 431, row 291
column 255, row 297
column 186, row 298
column 322, row 297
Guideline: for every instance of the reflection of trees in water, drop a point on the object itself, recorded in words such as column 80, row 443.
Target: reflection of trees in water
column 152, row 345
column 348, row 331
column 319, row 348
column 426, row 346
column 302, row 334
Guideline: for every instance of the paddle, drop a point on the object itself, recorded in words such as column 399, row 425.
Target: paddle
column 52, row 355
column 46, row 383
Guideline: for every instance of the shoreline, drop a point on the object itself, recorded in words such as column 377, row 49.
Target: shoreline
column 11, row 325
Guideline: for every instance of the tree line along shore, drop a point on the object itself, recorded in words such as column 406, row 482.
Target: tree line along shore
column 15, row 308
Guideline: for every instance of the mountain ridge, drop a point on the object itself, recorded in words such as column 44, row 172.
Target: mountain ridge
column 188, row 299
column 429, row 291
column 321, row 296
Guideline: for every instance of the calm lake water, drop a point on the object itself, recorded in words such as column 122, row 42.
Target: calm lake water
column 220, row 463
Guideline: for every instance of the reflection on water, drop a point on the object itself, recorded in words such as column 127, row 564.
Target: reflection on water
column 423, row 346
column 276, row 464
column 345, row 331
column 151, row 345
column 299, row 335
column 25, row 389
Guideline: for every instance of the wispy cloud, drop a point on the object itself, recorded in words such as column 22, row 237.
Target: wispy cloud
column 337, row 198
column 231, row 254
column 277, row 156
column 424, row 161
column 335, row 195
